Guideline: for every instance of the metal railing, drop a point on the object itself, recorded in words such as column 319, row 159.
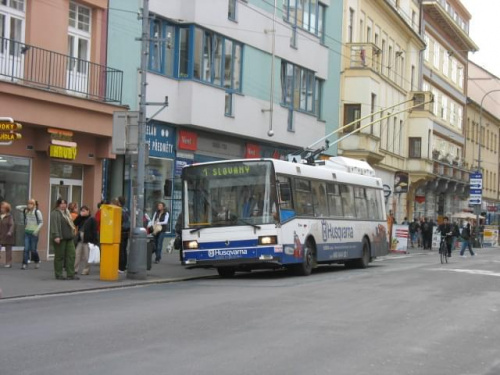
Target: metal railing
column 41, row 68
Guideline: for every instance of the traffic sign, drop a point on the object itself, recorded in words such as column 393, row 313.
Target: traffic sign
column 476, row 180
column 474, row 201
column 9, row 126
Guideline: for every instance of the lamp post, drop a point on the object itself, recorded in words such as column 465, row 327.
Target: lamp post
column 478, row 210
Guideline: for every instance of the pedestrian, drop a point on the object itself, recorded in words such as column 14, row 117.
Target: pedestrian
column 33, row 222
column 87, row 233
column 466, row 239
column 159, row 223
column 7, row 228
column 405, row 221
column 456, row 235
column 73, row 210
column 446, row 230
column 62, row 230
column 178, row 236
column 426, row 234
column 414, row 228
column 125, row 233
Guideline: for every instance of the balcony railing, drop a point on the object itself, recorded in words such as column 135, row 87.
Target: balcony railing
column 365, row 55
column 413, row 22
column 454, row 15
column 50, row 70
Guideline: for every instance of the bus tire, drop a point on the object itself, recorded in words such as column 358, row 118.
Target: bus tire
column 365, row 257
column 226, row 272
column 305, row 268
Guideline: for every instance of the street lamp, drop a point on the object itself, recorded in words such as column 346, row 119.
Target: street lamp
column 478, row 211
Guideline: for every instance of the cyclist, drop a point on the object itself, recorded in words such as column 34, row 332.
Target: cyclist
column 446, row 231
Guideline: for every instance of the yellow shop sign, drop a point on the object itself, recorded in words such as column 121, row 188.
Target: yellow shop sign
column 62, row 152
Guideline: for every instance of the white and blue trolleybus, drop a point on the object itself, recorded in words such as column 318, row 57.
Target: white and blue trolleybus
column 240, row 215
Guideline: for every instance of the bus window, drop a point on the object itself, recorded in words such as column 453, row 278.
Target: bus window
column 285, row 198
column 360, row 203
column 334, row 200
column 373, row 210
column 319, row 199
column 303, row 197
column 347, row 201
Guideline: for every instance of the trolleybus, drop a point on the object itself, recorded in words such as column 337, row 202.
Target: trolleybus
column 240, row 215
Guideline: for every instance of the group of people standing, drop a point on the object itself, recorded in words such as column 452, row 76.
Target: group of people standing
column 421, row 231
column 71, row 231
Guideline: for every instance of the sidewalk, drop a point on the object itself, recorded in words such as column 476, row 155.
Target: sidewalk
column 15, row 282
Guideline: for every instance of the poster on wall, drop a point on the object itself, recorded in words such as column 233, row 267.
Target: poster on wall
column 490, row 238
column 400, row 239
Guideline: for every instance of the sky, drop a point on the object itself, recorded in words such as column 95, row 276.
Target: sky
column 485, row 31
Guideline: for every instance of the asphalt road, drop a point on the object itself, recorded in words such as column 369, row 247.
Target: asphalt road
column 409, row 315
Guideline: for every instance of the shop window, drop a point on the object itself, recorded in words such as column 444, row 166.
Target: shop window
column 159, row 187
column 15, row 189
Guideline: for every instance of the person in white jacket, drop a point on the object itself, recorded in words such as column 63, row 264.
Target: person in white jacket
column 159, row 226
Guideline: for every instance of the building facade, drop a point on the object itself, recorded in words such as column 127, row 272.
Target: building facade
column 55, row 81
column 243, row 79
column 482, row 133
column 437, row 139
column 380, row 74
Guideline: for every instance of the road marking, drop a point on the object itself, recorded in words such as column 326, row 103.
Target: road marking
column 472, row 272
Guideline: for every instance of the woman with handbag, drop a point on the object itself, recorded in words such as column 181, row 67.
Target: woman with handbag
column 87, row 233
column 159, row 226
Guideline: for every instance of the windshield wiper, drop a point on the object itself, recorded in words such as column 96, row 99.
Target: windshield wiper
column 194, row 230
column 248, row 223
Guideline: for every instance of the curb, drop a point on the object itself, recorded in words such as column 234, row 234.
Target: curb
column 111, row 287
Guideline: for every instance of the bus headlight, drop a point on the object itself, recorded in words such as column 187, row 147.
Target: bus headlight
column 268, row 240
column 190, row 245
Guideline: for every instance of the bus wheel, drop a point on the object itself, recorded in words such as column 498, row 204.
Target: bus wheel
column 305, row 268
column 364, row 260
column 226, row 272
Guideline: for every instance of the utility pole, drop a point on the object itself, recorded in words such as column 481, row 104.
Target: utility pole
column 138, row 246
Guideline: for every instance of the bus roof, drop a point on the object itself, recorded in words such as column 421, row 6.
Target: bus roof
column 336, row 169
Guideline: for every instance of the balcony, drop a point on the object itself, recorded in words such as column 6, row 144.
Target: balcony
column 412, row 22
column 457, row 29
column 49, row 70
column 365, row 56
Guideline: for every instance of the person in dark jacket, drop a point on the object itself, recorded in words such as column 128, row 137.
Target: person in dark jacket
column 62, row 233
column 7, row 237
column 446, row 230
column 466, row 239
column 87, row 233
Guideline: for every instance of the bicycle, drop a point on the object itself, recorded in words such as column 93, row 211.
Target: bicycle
column 443, row 249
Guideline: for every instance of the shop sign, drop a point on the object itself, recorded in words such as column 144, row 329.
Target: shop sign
column 181, row 163
column 252, row 151
column 188, row 140
column 492, row 208
column 160, row 139
column 8, row 130
column 62, row 152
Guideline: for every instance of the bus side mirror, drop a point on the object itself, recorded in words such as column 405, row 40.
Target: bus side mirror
column 285, row 192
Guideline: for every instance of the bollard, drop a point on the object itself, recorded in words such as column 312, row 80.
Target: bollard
column 111, row 224
column 138, row 255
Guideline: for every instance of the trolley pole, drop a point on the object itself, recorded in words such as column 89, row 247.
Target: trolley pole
column 138, row 245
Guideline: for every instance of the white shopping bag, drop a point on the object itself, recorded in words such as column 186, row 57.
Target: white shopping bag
column 94, row 254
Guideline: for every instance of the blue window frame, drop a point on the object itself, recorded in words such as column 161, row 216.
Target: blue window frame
column 192, row 52
column 301, row 90
column 308, row 15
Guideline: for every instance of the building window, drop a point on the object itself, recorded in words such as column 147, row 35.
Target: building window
column 412, row 78
column 350, row 27
column 318, row 98
column 12, row 33
column 231, row 10
column 228, row 107
column 415, row 148
column 299, row 88
column 372, row 111
column 79, row 36
column 427, row 47
column 437, row 53
column 211, row 58
column 305, row 14
column 352, row 112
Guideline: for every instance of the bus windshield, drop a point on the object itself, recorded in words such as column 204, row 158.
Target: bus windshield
column 229, row 194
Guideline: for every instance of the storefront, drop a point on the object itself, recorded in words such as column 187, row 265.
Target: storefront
column 47, row 164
